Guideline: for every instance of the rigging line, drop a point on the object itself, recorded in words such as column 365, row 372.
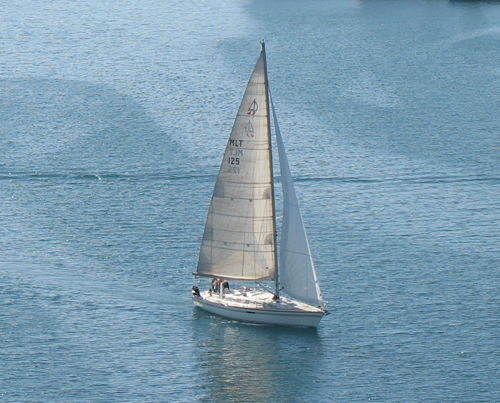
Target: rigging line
column 267, row 289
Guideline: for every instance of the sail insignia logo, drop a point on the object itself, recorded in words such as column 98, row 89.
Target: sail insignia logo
column 249, row 129
column 254, row 107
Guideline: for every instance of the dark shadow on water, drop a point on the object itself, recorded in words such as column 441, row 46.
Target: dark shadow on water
column 75, row 127
column 475, row 1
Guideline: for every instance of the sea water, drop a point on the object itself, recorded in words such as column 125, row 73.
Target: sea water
column 113, row 120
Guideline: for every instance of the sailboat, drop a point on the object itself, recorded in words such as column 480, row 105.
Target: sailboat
column 239, row 243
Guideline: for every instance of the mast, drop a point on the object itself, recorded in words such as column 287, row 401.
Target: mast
column 277, row 280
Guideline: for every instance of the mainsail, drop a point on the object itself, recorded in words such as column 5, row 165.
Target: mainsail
column 297, row 274
column 239, row 241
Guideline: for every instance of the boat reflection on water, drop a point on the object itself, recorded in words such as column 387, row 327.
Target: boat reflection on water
column 244, row 362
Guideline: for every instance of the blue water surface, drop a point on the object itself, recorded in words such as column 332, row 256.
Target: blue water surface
column 113, row 120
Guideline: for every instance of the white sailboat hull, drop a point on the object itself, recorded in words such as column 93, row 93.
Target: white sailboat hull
column 259, row 307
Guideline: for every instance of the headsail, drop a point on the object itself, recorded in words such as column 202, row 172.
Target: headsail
column 239, row 238
column 297, row 273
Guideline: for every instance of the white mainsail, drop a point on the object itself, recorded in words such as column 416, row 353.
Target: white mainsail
column 297, row 274
column 239, row 238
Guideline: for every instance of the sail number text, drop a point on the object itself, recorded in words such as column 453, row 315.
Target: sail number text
column 234, row 159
